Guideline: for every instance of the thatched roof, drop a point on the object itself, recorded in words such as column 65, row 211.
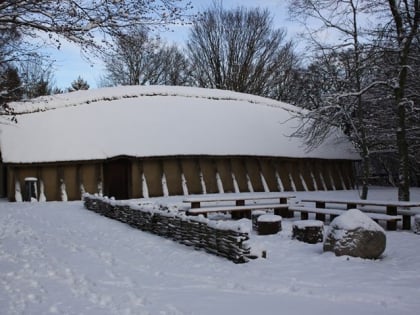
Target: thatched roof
column 151, row 121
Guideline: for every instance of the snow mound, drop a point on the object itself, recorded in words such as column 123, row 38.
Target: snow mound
column 303, row 224
column 269, row 218
column 354, row 219
column 242, row 225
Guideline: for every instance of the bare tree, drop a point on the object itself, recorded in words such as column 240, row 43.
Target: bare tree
column 392, row 34
column 128, row 58
column 36, row 73
column 237, row 50
column 347, row 60
column 82, row 22
column 138, row 59
column 25, row 25
column 405, row 18
column 384, row 114
column 169, row 66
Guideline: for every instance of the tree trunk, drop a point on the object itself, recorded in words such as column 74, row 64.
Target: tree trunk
column 404, row 174
column 405, row 32
column 365, row 176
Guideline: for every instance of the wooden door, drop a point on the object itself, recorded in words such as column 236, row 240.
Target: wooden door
column 116, row 178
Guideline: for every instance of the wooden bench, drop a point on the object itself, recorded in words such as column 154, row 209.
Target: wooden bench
column 322, row 212
column 392, row 208
column 239, row 198
column 243, row 211
column 319, row 212
column 240, row 208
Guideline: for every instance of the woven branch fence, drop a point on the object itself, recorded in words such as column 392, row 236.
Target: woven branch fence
column 218, row 238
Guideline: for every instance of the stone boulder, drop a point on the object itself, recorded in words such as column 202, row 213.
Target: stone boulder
column 355, row 234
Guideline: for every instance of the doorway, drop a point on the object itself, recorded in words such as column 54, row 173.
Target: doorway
column 117, row 175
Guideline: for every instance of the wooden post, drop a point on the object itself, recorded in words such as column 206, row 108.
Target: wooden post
column 406, row 225
column 195, row 204
column 239, row 214
column 248, row 214
column 391, row 225
column 284, row 212
column 320, row 216
column 236, row 215
column 406, row 220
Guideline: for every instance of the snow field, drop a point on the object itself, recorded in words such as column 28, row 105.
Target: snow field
column 59, row 258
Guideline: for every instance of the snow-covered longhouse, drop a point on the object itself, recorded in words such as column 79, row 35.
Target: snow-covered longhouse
column 137, row 141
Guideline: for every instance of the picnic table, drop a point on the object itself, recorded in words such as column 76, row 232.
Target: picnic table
column 242, row 203
column 391, row 208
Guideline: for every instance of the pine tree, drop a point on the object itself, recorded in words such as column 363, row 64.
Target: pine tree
column 79, row 84
column 10, row 86
column 42, row 88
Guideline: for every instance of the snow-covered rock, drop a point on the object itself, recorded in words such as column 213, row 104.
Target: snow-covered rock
column 355, row 234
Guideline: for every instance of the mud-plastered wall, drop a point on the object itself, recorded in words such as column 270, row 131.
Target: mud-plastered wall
column 155, row 177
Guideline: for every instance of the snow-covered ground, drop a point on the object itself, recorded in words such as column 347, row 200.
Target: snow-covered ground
column 58, row 258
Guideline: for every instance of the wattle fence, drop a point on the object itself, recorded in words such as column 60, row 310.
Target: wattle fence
column 224, row 239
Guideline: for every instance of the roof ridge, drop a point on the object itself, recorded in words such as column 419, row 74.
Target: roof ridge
column 45, row 103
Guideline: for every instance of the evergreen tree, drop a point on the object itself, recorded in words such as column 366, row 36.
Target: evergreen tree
column 42, row 88
column 10, row 86
column 79, row 84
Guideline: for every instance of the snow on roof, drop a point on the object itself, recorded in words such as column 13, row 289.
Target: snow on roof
column 151, row 121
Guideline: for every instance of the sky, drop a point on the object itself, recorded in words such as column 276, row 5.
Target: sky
column 70, row 62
